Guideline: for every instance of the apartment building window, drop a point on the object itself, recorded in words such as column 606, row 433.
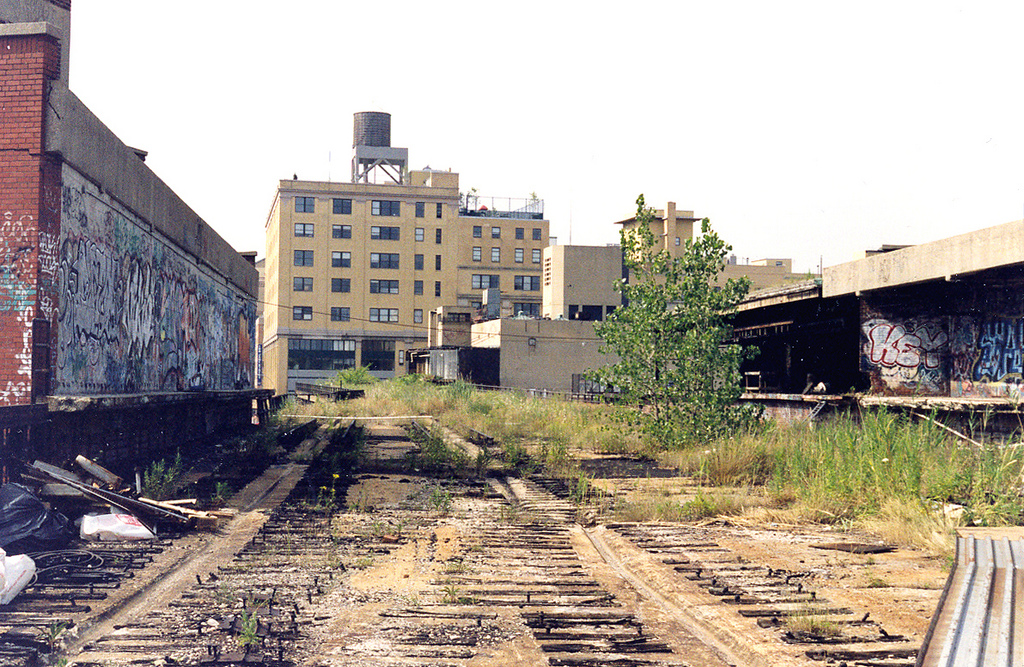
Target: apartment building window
column 536, row 234
column 421, row 209
column 528, row 309
column 438, row 213
column 477, row 253
column 519, row 255
column 340, row 314
column 385, row 233
column 303, row 258
column 437, row 235
column 341, row 258
column 417, row 262
column 437, row 262
column 485, row 280
column 536, row 255
column 304, row 204
column 495, row 254
column 417, row 315
column 383, row 314
column 495, row 232
column 437, row 288
column 419, row 234
column 341, row 231
column 417, row 287
column 302, row 312
column 527, row 283
column 379, row 355
column 342, row 206
column 302, row 284
column 383, row 260
column 341, row 284
column 304, row 229
column 520, row 233
column 383, row 287
column 321, row 354
column 478, row 231
column 386, row 208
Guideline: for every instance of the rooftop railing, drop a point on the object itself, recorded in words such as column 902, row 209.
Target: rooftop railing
column 514, row 208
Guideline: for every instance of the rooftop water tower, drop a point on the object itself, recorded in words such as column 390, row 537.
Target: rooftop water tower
column 372, row 151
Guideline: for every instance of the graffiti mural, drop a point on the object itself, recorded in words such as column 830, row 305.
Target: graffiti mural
column 987, row 357
column 17, row 298
column 905, row 356
column 137, row 314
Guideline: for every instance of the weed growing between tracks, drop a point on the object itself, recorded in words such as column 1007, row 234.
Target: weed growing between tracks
column 882, row 472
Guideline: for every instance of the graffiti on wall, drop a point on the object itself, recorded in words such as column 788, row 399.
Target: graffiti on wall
column 987, row 356
column 905, row 356
column 136, row 313
column 17, row 297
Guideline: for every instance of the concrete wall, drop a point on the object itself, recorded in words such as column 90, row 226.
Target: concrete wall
column 137, row 314
column 542, row 354
column 945, row 259
column 939, row 340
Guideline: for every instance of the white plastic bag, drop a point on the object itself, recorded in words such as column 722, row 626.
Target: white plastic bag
column 111, row 527
column 15, row 573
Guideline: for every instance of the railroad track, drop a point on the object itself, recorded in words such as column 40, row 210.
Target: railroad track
column 442, row 570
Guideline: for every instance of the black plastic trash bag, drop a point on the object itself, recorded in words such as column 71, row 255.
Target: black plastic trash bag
column 27, row 526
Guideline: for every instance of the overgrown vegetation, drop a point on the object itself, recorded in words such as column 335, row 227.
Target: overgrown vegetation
column 675, row 367
column 163, row 478
column 907, row 481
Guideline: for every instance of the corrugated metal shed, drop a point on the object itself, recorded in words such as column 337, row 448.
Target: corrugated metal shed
column 980, row 618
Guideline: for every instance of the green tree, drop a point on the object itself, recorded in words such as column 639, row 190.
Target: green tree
column 675, row 366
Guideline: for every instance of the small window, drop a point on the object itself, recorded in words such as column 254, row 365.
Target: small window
column 438, row 214
column 478, row 231
column 341, row 284
column 383, row 287
column 304, row 229
column 536, row 255
column 527, row 283
column 304, row 204
column 417, row 262
column 495, row 254
column 342, row 206
column 519, row 255
column 437, row 235
column 417, row 315
column 417, row 287
column 677, row 240
column 437, row 288
column 536, row 234
column 383, row 314
column 340, row 314
column 302, row 284
column 520, row 233
column 384, row 260
column 385, row 233
column 341, row 231
column 385, row 208
column 437, row 262
column 302, row 312
column 485, row 281
column 303, row 258
column 419, row 234
column 421, row 209
column 495, row 232
column 341, row 259
column 477, row 253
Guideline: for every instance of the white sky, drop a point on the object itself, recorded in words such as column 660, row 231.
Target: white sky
column 802, row 129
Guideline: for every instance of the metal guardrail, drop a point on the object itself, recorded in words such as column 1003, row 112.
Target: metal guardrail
column 980, row 618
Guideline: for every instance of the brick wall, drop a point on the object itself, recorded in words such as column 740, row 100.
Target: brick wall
column 28, row 231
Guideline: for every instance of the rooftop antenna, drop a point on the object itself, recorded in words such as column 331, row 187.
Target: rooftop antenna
column 372, row 151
